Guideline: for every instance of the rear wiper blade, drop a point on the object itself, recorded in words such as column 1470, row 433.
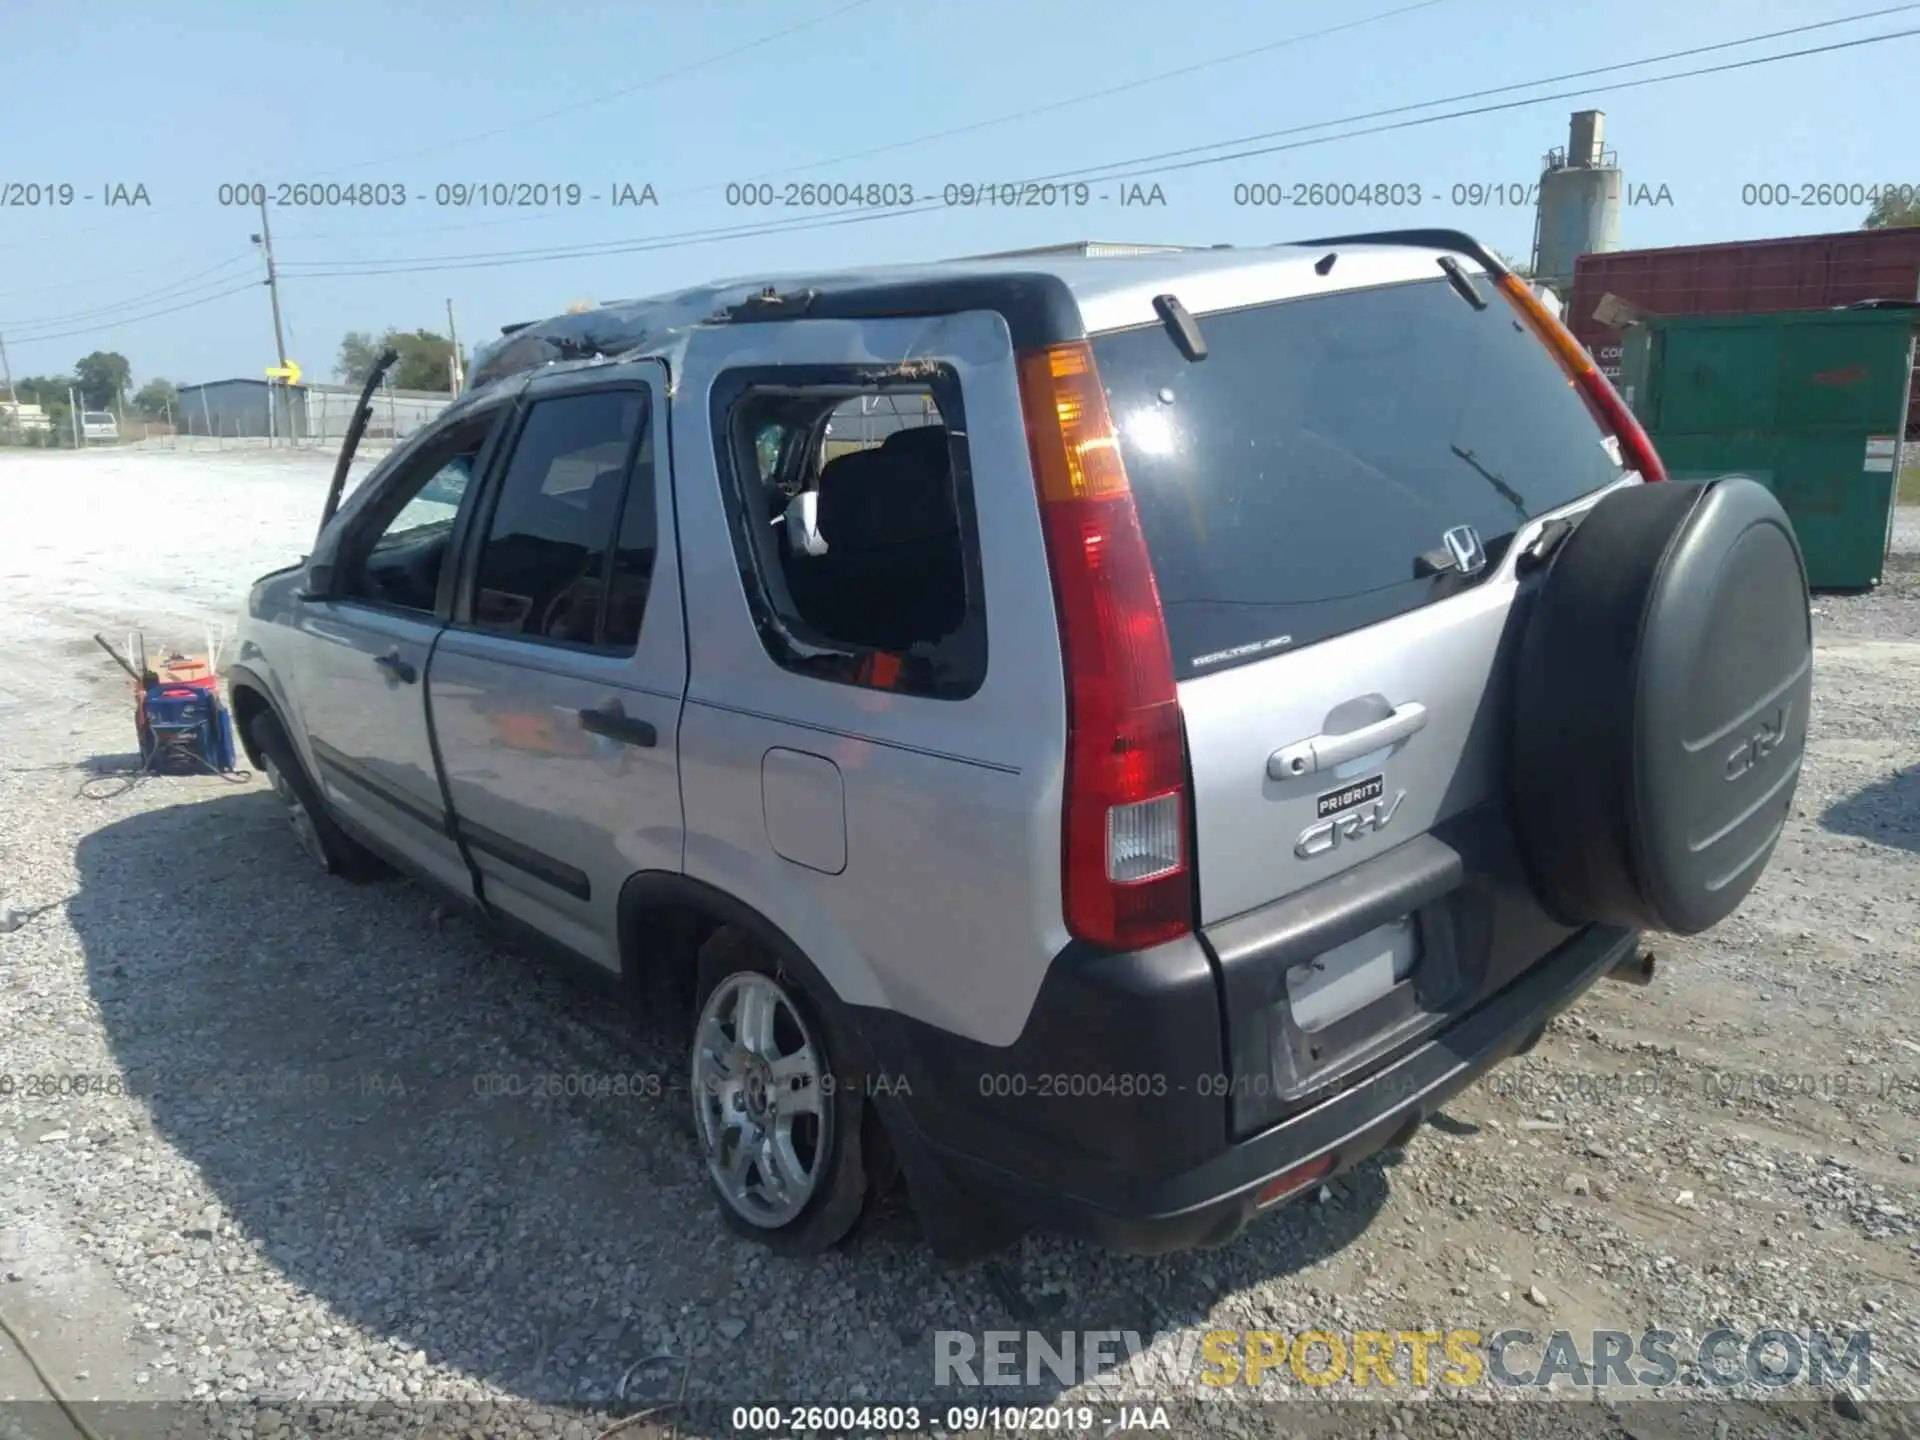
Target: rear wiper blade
column 1457, row 278
column 1507, row 492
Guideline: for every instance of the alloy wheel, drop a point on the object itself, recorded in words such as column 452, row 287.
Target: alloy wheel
column 760, row 1099
column 298, row 815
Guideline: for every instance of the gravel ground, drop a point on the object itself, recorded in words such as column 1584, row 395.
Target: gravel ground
column 294, row 1188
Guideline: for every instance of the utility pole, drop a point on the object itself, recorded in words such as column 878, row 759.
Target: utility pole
column 453, row 360
column 265, row 240
column 73, row 411
column 7, row 371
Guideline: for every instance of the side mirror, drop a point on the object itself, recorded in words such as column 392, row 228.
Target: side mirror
column 803, row 524
column 319, row 584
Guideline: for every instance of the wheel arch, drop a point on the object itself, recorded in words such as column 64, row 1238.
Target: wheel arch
column 664, row 919
column 251, row 696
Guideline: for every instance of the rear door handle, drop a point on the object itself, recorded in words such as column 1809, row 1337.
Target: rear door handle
column 1323, row 752
column 394, row 665
column 612, row 721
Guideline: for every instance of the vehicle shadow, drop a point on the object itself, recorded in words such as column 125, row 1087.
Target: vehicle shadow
column 1887, row 812
column 331, row 1059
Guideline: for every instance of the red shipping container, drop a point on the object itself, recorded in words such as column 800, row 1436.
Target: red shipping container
column 1744, row 277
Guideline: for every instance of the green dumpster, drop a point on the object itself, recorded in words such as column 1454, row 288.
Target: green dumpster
column 1811, row 403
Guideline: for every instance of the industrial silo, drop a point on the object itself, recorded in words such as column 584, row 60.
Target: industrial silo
column 1579, row 206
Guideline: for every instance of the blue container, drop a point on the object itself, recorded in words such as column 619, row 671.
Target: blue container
column 186, row 724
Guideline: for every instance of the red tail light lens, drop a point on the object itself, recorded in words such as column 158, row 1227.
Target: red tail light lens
column 1292, row 1181
column 1610, row 412
column 1125, row 869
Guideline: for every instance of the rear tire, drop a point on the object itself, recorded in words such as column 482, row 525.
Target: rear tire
column 778, row 1105
column 320, row 839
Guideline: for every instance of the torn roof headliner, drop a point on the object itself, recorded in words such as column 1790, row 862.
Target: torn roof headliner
column 1111, row 291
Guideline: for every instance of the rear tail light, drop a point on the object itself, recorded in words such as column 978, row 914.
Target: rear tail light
column 1609, row 410
column 1124, row 872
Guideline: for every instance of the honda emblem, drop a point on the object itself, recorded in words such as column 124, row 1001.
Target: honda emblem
column 1463, row 544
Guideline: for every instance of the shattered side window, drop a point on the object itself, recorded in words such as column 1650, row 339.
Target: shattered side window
column 869, row 576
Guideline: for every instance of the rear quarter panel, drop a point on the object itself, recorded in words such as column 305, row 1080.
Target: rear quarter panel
column 948, row 907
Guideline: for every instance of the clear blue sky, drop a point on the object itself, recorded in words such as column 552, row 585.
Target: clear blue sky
column 192, row 96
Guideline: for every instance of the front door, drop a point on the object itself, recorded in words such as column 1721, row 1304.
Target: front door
column 367, row 649
column 556, row 690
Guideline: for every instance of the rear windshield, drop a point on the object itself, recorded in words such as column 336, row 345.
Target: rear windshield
column 1289, row 481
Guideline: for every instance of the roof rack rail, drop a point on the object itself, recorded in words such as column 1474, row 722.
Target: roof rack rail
column 1038, row 307
column 771, row 304
column 1456, row 240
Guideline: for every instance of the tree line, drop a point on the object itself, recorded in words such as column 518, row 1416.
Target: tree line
column 424, row 364
column 1893, row 210
column 100, row 381
column 103, row 380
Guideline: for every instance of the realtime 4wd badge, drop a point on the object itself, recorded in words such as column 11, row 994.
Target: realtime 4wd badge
column 1348, row 796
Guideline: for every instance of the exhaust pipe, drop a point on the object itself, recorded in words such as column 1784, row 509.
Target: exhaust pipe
column 1634, row 970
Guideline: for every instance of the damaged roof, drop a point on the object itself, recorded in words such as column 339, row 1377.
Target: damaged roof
column 1101, row 289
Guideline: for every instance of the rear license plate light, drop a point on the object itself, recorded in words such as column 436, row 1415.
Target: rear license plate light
column 1351, row 976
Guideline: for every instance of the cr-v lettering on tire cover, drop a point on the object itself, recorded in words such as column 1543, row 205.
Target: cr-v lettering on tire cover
column 1661, row 701
column 1760, row 744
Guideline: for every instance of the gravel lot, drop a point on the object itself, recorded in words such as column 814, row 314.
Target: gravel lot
column 306, row 1198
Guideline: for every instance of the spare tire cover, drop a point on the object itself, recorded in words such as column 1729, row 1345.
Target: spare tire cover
column 1661, row 696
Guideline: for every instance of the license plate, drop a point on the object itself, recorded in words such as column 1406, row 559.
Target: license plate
column 1352, row 976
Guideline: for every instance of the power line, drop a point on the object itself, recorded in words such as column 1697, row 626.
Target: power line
column 566, row 252
column 836, row 219
column 204, row 290
column 658, row 79
column 97, row 280
column 1082, row 99
column 1512, row 105
column 185, row 282
column 672, row 240
column 1048, row 108
column 1509, row 89
column 136, row 319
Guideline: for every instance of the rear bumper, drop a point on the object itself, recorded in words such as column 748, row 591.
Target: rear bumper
column 1159, row 1170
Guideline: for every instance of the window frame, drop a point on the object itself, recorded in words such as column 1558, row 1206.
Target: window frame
column 360, row 532
column 736, row 460
column 468, row 570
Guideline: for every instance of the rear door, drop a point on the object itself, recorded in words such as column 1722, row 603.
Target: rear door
column 556, row 689
column 1329, row 498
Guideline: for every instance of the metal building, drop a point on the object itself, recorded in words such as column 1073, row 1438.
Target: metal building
column 1578, row 211
column 396, row 413
column 255, row 409
column 238, row 409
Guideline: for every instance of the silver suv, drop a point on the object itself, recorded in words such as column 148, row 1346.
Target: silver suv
column 1110, row 742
